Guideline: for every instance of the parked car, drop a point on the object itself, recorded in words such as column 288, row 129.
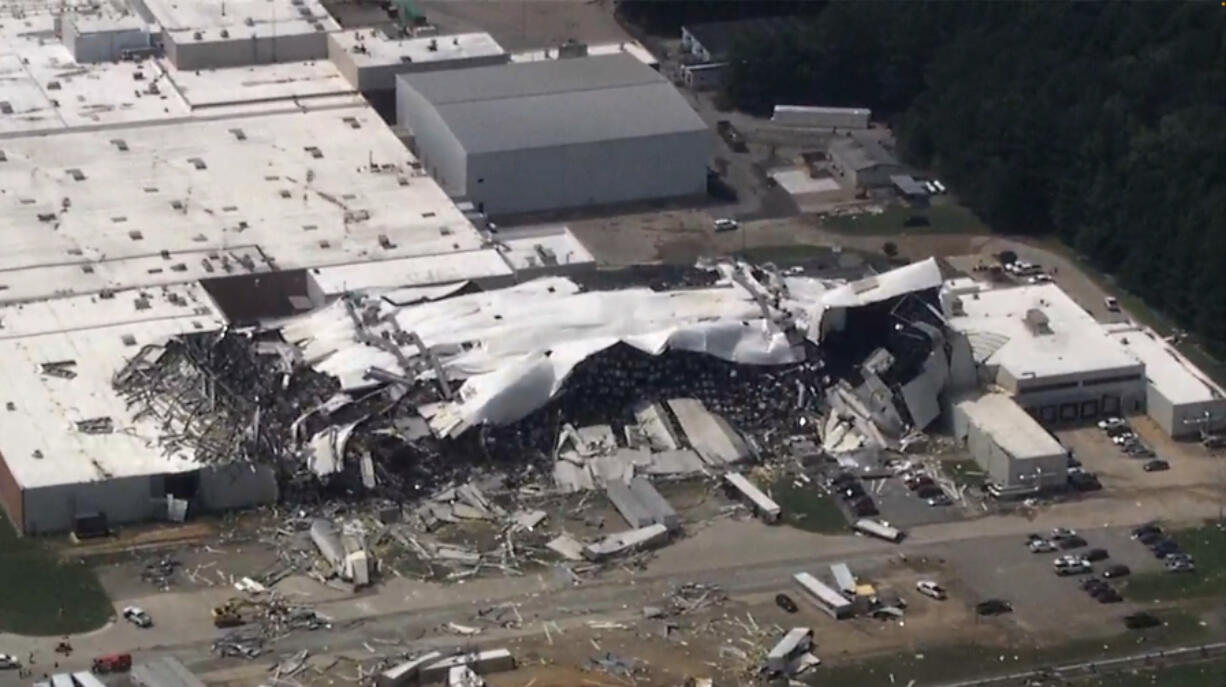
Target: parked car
column 1147, row 528
column 1164, row 548
column 9, row 662
column 930, row 588
column 1112, row 304
column 864, row 507
column 112, row 663
column 1156, row 466
column 1092, row 584
column 1095, row 555
column 1108, row 595
column 1149, row 537
column 919, row 481
column 725, row 224
column 1040, row 546
column 1116, row 571
column 929, row 491
column 786, row 603
column 993, row 607
column 1072, row 542
column 941, row 499
column 1062, row 533
column 1141, row 621
column 1084, row 481
column 137, row 616
column 1077, row 568
column 1112, row 423
column 853, row 490
column 1124, row 438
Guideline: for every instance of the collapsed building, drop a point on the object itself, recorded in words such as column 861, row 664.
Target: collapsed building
column 400, row 392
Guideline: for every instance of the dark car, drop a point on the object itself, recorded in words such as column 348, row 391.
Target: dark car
column 1156, row 466
column 1140, row 621
column 1149, row 537
column 929, row 491
column 1095, row 555
column 1084, row 481
column 1147, row 528
column 1117, row 571
column 1072, row 542
column 920, row 482
column 864, row 507
column 1163, row 547
column 785, row 602
column 1093, row 585
column 1108, row 596
column 852, row 491
column 843, row 479
column 993, row 607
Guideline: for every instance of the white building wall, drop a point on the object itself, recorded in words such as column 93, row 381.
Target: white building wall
column 1002, row 467
column 440, row 154
column 590, row 174
column 1186, row 420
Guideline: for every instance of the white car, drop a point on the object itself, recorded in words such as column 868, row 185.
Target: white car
column 1112, row 423
column 8, row 662
column 1068, row 560
column 137, row 616
column 725, row 224
column 1041, row 546
column 1059, row 533
column 1112, row 304
column 931, row 589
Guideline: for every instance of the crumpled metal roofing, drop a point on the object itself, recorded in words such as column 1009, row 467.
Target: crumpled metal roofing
column 515, row 347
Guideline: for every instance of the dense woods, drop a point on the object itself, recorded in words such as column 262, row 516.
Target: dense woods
column 1104, row 123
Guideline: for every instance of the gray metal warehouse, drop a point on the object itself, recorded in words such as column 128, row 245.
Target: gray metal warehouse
column 525, row 137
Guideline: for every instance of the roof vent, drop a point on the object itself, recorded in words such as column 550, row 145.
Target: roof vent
column 1037, row 322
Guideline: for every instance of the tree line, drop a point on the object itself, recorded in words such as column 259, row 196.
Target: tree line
column 1101, row 123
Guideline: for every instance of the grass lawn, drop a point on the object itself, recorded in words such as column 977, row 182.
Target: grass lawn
column 806, row 509
column 1207, row 545
column 961, row 662
column 943, row 218
column 1208, row 674
column 40, row 595
column 965, row 473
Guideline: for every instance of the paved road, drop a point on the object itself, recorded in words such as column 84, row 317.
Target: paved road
column 742, row 557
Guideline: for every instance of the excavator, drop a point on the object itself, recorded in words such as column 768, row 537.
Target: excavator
column 232, row 613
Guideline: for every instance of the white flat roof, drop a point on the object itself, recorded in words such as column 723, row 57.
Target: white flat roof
column 632, row 48
column 538, row 247
column 206, row 14
column 371, row 47
column 1173, row 375
column 416, row 271
column 206, row 88
column 297, row 189
column 36, row 69
column 995, row 324
column 1012, row 428
column 38, row 434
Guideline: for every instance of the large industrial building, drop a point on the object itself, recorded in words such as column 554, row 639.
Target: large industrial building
column 1053, row 357
column 1181, row 399
column 153, row 195
column 550, row 135
column 1008, row 444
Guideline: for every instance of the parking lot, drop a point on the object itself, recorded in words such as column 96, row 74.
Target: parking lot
column 901, row 507
column 1193, row 469
column 1043, row 602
